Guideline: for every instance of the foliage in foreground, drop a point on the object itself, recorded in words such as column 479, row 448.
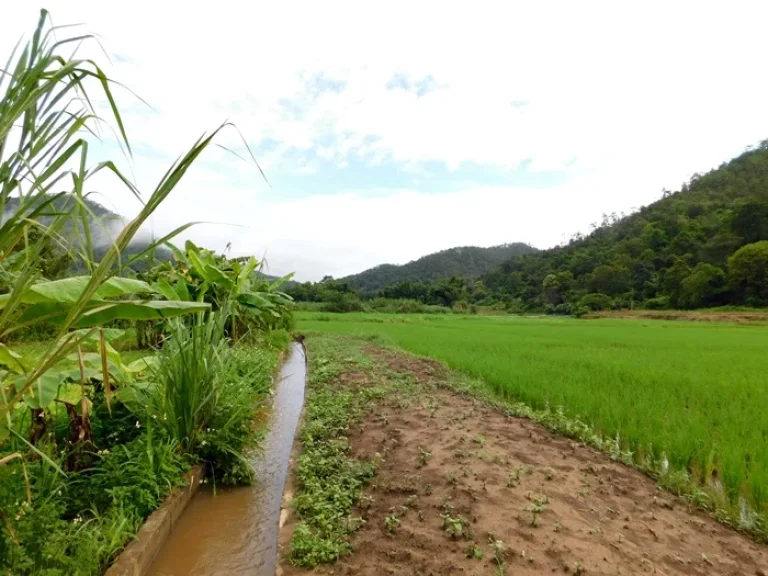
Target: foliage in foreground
column 76, row 524
column 652, row 390
column 83, row 455
column 250, row 300
column 89, row 515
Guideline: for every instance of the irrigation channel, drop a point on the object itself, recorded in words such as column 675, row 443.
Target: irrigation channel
column 235, row 531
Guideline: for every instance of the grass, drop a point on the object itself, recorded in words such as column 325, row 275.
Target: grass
column 689, row 396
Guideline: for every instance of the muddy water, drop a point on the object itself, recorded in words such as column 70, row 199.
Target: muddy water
column 235, row 531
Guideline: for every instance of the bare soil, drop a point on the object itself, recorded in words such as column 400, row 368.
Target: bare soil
column 492, row 472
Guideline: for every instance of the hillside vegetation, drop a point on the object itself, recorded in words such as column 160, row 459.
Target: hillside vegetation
column 73, row 238
column 705, row 245
column 467, row 261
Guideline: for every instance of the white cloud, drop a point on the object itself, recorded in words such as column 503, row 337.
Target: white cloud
column 626, row 99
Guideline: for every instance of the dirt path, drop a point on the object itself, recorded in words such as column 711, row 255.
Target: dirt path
column 459, row 478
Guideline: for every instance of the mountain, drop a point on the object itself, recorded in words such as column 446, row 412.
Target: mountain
column 704, row 245
column 467, row 261
column 103, row 227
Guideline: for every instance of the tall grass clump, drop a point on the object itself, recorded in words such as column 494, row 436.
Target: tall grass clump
column 186, row 395
column 205, row 391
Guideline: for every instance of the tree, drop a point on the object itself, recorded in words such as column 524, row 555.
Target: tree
column 673, row 279
column 611, row 280
column 446, row 292
column 750, row 221
column 555, row 287
column 704, row 287
column 551, row 289
column 748, row 272
column 655, row 238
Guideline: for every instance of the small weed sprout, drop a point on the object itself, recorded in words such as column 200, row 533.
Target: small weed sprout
column 479, row 440
column 455, row 526
column 427, row 488
column 549, row 473
column 391, row 523
column 424, row 456
column 513, row 476
column 474, row 551
column 536, row 507
column 497, row 549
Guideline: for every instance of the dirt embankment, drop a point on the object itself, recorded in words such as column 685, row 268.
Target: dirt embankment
column 464, row 489
column 692, row 316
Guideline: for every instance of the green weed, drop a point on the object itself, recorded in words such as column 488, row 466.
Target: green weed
column 536, row 507
column 474, row 551
column 391, row 523
column 330, row 481
column 424, row 456
column 456, row 527
column 513, row 476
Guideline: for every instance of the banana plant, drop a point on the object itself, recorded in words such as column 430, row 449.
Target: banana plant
column 198, row 274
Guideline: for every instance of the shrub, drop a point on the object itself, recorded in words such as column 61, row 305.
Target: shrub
column 403, row 306
column 596, row 301
column 748, row 272
column 515, row 306
column 461, row 307
column 343, row 302
column 703, row 287
column 658, row 303
column 579, row 311
column 565, row 308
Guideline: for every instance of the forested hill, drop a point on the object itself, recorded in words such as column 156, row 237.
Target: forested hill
column 103, row 227
column 467, row 261
column 704, row 245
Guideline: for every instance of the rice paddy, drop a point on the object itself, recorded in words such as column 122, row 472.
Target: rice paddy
column 693, row 393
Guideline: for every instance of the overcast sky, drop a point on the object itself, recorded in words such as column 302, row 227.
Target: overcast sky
column 391, row 130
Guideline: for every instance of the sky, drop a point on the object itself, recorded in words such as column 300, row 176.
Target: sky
column 388, row 131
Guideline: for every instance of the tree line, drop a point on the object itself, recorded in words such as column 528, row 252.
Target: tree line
column 705, row 245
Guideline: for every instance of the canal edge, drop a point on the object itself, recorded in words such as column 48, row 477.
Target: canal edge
column 138, row 555
column 287, row 524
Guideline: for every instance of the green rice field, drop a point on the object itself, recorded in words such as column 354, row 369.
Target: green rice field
column 696, row 391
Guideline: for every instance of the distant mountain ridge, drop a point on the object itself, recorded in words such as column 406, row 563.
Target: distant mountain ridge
column 468, row 261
